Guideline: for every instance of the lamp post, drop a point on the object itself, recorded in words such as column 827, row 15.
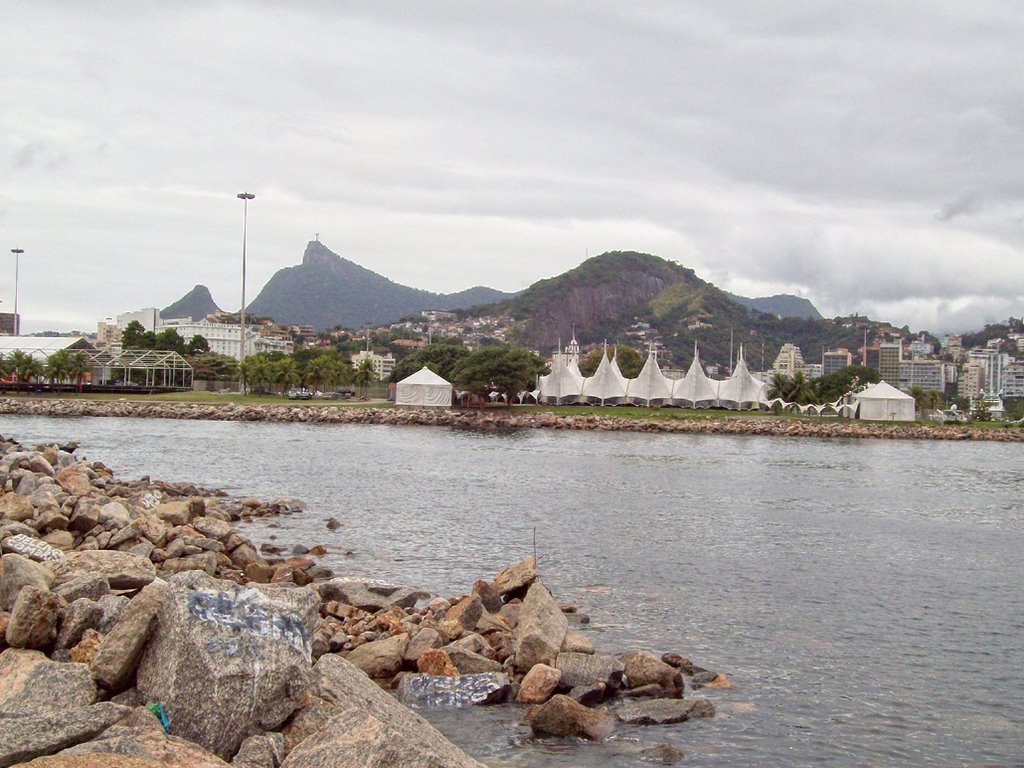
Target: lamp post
column 17, row 320
column 245, row 197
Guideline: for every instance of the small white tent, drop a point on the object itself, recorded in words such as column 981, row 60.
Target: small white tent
column 883, row 402
column 424, row 389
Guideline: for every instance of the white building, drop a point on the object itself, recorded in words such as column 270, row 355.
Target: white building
column 223, row 337
column 383, row 365
column 789, row 360
column 148, row 318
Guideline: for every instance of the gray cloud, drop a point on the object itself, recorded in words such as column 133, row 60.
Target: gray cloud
column 782, row 146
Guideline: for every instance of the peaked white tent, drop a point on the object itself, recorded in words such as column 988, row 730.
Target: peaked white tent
column 424, row 389
column 607, row 386
column 651, row 386
column 563, row 385
column 695, row 389
column 883, row 402
column 741, row 390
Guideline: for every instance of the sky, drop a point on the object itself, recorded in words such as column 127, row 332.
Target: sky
column 866, row 155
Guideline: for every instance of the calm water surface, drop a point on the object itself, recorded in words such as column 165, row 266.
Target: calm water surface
column 866, row 597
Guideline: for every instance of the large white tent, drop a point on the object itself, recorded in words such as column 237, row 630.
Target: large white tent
column 883, row 402
column 696, row 389
column 563, row 385
column 424, row 389
column 651, row 387
column 607, row 386
column 742, row 390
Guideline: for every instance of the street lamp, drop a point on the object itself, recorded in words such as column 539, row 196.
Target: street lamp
column 245, row 197
column 17, row 320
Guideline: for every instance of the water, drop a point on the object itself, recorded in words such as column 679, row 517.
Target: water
column 866, row 597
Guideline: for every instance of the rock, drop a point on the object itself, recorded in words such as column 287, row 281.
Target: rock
column 708, row 679
column 86, row 649
column 562, row 716
column 369, row 728
column 114, row 664
column 577, row 642
column 425, row 639
column 261, row 750
column 318, row 550
column 212, row 528
column 173, row 512
column 29, row 736
column 228, row 661
column 146, row 741
column 17, row 571
column 27, row 545
column 681, row 663
column 259, row 572
column 540, row 631
column 245, row 554
column 489, row 597
column 380, row 658
column 15, row 507
column 462, row 617
column 436, row 662
column 85, row 517
column 368, row 595
column 470, row 663
column 81, row 615
column 91, row 586
column 93, row 760
column 516, row 577
column 112, row 605
column 538, row 685
column 650, row 691
column 332, row 524
column 453, row 691
column 63, row 541
column 589, row 695
column 664, row 711
column 35, row 618
column 206, row 562
column 114, row 516
column 643, row 668
column 75, row 480
column 589, row 669
column 31, row 684
column 664, row 753
column 122, row 570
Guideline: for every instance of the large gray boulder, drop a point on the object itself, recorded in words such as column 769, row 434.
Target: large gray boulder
column 29, row 736
column 35, row 618
column 17, row 571
column 664, row 711
column 453, row 691
column 541, row 629
column 228, row 661
column 31, row 547
column 562, row 716
column 380, row 658
column 589, row 669
column 643, row 668
column 31, row 684
column 113, row 667
column 369, row 728
column 122, row 570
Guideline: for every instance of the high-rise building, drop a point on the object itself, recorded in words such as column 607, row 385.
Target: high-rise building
column 972, row 379
column 954, row 348
column 926, row 374
column 890, row 355
column 993, row 362
column 789, row 360
column 149, row 318
column 383, row 365
column 1013, row 379
column 835, row 360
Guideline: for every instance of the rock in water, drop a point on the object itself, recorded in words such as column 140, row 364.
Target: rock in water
column 563, row 716
column 586, row 669
column 538, row 685
column 664, row 711
column 369, row 729
column 228, row 661
column 453, row 691
column 516, row 577
column 540, row 631
column 643, row 668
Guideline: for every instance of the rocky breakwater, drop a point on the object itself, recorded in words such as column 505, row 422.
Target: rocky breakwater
column 137, row 628
column 500, row 419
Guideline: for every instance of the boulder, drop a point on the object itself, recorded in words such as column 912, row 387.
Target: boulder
column 62, row 541
column 680, row 662
column 380, row 658
column 85, row 651
column 122, row 570
column 32, row 684
column 92, row 586
column 470, row 663
column 642, row 668
column 369, row 595
column 425, row 639
column 111, row 605
column 538, row 685
column 664, row 711
column 94, row 760
column 33, row 735
column 173, row 512
column 75, row 480
column 462, row 617
column 81, row 615
column 436, row 662
column 212, row 528
column 589, row 669
column 113, row 667
column 15, row 507
column 85, row 517
column 663, row 753
column 540, row 631
column 27, row 545
column 516, row 577
column 261, row 750
column 577, row 642
column 228, row 661
column 17, row 571
column 589, row 695
column 35, row 618
column 563, row 716
column 448, row 691
column 708, row 679
column 114, row 516
column 369, row 729
column 488, row 595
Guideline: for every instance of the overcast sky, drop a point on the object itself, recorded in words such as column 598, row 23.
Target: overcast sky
column 866, row 155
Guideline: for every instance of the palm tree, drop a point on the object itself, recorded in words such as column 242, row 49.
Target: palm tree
column 322, row 369
column 285, row 373
column 255, row 371
column 24, row 366
column 801, row 390
column 779, row 386
column 78, row 366
column 57, row 366
column 364, row 373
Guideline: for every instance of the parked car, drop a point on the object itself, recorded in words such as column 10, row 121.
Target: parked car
column 299, row 394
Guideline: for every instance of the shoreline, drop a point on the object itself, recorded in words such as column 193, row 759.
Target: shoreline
column 495, row 420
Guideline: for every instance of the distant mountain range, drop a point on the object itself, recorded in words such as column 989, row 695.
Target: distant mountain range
column 780, row 305
column 197, row 304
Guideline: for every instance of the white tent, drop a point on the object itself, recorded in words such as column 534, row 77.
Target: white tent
column 607, row 386
column 741, row 390
column 563, row 385
column 651, row 386
column 883, row 402
column 695, row 389
column 424, row 389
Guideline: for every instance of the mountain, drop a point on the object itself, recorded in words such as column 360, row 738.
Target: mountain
column 780, row 305
column 618, row 295
column 326, row 290
column 197, row 304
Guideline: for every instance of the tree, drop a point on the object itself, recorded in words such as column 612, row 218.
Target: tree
column 440, row 358
column 255, row 371
column 830, row 388
column 363, row 374
column 495, row 369
column 322, row 369
column 213, row 367
column 628, row 359
column 25, row 367
column 285, row 373
column 197, row 345
column 78, row 366
column 801, row 391
column 134, row 336
column 169, row 340
column 57, row 366
column 779, row 386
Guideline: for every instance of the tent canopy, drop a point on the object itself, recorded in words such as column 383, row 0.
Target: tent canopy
column 425, row 389
column 883, row 402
